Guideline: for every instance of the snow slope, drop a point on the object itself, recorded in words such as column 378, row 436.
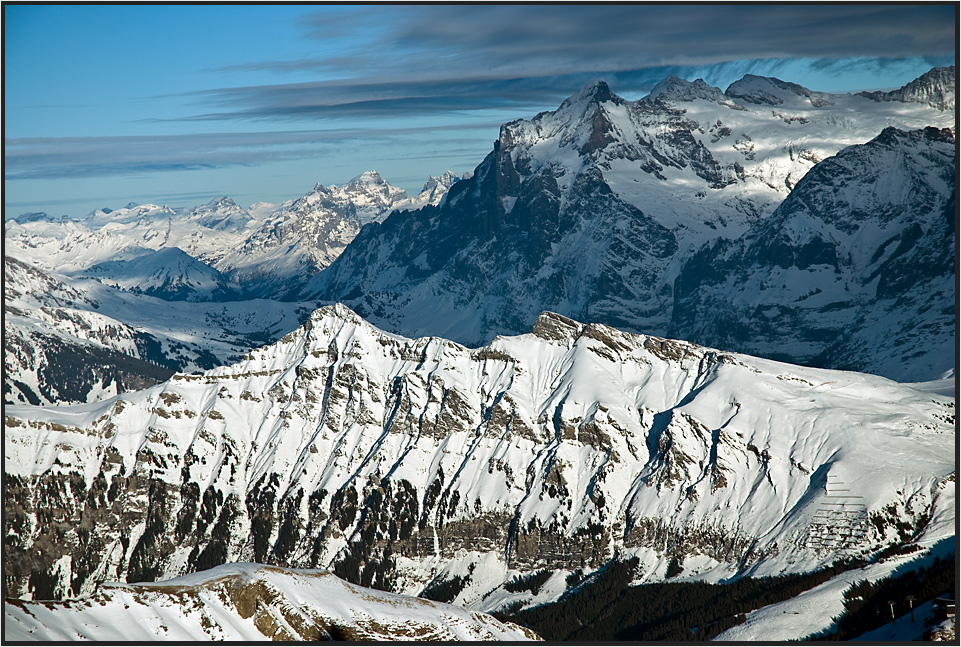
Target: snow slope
column 250, row 602
column 815, row 610
column 406, row 464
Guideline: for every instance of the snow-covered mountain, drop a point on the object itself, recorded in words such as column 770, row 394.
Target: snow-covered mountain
column 594, row 209
column 936, row 88
column 855, row 269
column 305, row 235
column 424, row 467
column 168, row 273
column 215, row 252
column 250, row 602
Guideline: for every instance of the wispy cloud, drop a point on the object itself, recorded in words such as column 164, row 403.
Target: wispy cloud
column 79, row 157
column 443, row 59
column 515, row 41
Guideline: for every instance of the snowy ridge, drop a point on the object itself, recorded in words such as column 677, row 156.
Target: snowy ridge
column 405, row 464
column 250, row 602
column 674, row 89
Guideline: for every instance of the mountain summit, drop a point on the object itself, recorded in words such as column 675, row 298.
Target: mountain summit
column 595, row 209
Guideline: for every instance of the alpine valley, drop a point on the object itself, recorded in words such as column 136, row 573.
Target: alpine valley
column 702, row 340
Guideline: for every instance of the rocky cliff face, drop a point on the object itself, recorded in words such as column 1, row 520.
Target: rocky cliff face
column 855, row 269
column 595, row 209
column 936, row 88
column 425, row 467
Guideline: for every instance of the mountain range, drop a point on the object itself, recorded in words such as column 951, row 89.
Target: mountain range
column 250, row 602
column 407, row 464
column 702, row 337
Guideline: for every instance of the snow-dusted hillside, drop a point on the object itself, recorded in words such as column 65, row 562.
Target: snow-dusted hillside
column 594, row 209
column 855, row 269
column 416, row 465
column 250, row 602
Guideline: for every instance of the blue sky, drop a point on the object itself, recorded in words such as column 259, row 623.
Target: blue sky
column 180, row 104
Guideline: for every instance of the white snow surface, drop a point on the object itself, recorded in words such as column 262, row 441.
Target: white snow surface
column 250, row 602
column 741, row 458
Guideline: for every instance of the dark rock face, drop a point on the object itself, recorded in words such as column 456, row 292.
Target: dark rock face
column 569, row 213
column 861, row 250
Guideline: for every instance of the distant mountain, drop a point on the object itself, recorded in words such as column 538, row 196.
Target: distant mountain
column 218, row 251
column 250, row 602
column 497, row 477
column 855, row 269
column 168, row 273
column 936, row 88
column 305, row 235
column 77, row 347
column 595, row 209
column 765, row 90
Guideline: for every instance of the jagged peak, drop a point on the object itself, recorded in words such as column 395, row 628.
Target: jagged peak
column 337, row 311
column 368, row 177
column 445, row 179
column 930, row 133
column 552, row 326
column 595, row 92
column 223, row 201
column 936, row 87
